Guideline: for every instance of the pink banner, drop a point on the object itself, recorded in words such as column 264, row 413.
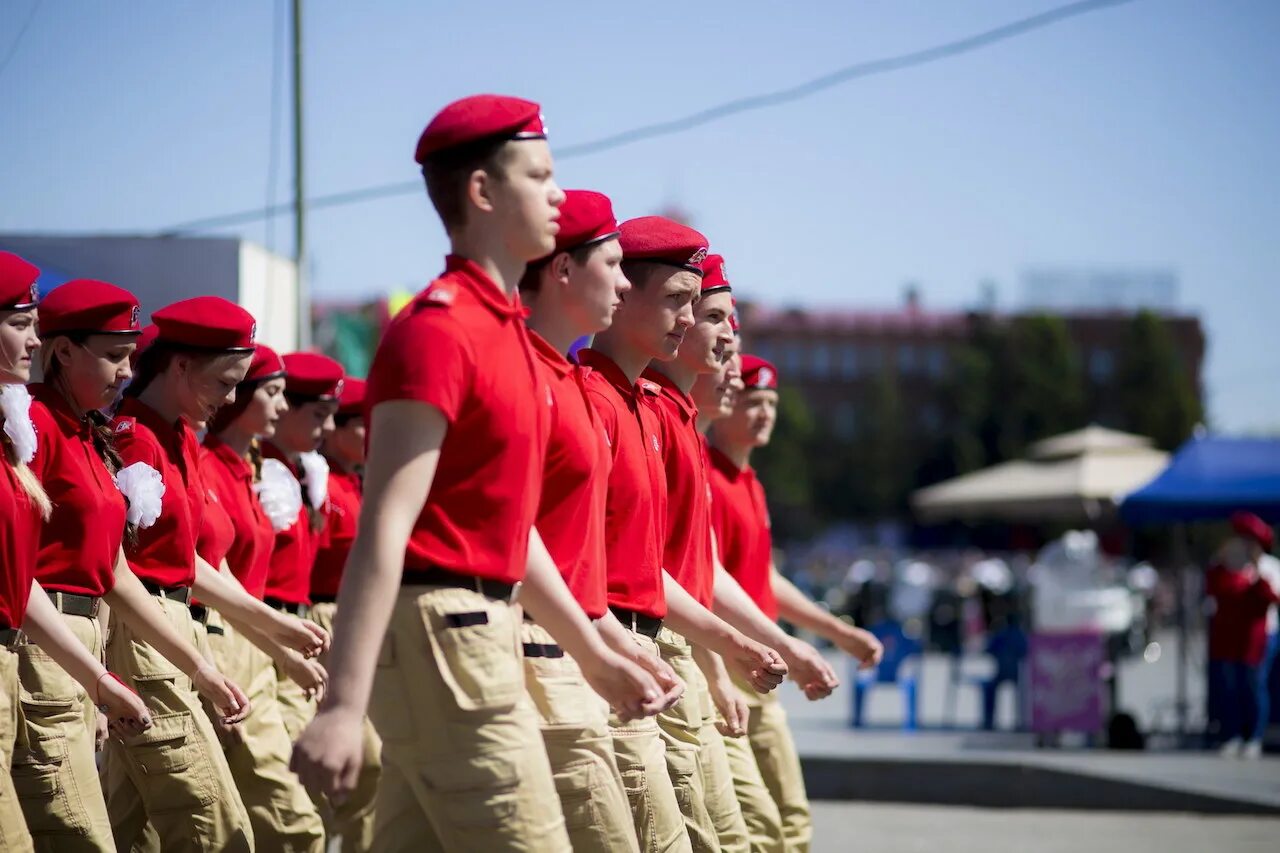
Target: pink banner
column 1066, row 682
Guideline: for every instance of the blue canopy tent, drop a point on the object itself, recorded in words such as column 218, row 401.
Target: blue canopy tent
column 1208, row 479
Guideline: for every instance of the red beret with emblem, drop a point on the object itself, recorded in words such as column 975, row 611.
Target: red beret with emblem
column 758, row 374
column 714, row 278
column 1250, row 526
column 266, row 365
column 656, row 238
column 586, row 217
column 206, row 323
column 86, row 305
column 351, row 400
column 480, row 117
column 17, row 283
column 313, row 375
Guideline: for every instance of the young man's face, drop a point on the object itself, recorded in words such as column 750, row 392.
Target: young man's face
column 654, row 318
column 525, row 199
column 704, row 344
column 596, row 287
column 754, row 415
column 731, row 386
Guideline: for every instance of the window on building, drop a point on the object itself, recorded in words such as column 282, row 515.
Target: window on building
column 936, row 361
column 792, row 355
column 908, row 358
column 1102, row 365
column 849, row 360
column 820, row 354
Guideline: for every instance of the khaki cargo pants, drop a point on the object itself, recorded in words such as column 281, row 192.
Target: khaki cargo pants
column 464, row 766
column 170, row 785
column 575, row 729
column 354, row 820
column 681, row 725
column 54, row 769
column 641, row 751
column 778, row 762
column 258, row 750
column 717, row 775
column 13, row 826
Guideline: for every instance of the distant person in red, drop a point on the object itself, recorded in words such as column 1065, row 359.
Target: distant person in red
column 1238, row 632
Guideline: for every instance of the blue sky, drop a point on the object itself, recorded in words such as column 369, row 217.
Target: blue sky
column 1144, row 136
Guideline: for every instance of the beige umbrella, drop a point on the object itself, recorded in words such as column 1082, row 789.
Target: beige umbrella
column 1072, row 477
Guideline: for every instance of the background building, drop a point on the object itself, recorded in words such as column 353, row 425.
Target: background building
column 161, row 270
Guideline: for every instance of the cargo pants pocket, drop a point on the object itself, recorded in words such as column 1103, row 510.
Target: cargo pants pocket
column 174, row 767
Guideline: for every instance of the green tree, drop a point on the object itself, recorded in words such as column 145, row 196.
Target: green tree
column 1156, row 397
column 1039, row 387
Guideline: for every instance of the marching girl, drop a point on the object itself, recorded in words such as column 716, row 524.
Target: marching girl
column 174, row 781
column 24, row 506
column 344, row 451
column 312, row 388
column 258, row 498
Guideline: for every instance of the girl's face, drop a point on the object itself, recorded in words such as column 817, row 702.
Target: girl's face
column 303, row 428
column 18, row 343
column 265, row 409
column 346, row 443
column 94, row 371
column 210, row 383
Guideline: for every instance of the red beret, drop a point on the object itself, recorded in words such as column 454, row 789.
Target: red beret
column 313, row 375
column 17, row 283
column 714, row 278
column 266, row 365
column 351, row 400
column 734, row 322
column 85, row 305
column 207, row 323
column 758, row 374
column 656, row 238
column 480, row 117
column 1252, row 527
column 586, row 217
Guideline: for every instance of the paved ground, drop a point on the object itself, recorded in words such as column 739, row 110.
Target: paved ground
column 856, row 828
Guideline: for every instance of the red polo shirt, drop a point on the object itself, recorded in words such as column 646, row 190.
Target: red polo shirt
column 19, row 539
column 217, row 530
column 575, row 482
column 687, row 555
column 345, row 492
column 741, row 520
column 80, row 542
column 294, row 553
column 165, row 553
column 635, row 511
column 231, row 479
column 461, row 346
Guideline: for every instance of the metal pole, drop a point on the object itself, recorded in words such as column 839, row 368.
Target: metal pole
column 1183, row 557
column 299, row 189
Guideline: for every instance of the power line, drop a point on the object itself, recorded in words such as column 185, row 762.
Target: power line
column 706, row 116
column 13, row 48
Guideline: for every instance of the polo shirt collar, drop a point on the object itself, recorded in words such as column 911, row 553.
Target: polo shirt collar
column 688, row 410
column 606, row 367
column 235, row 463
column 61, row 409
column 726, row 465
column 168, row 432
column 485, row 289
column 549, row 355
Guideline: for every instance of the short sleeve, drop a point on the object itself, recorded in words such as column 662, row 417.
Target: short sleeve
column 424, row 357
column 135, row 443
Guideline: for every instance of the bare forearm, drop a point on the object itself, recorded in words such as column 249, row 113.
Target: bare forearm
column 711, row 664
column 550, row 602
column 44, row 624
column 134, row 606
column 799, row 610
column 696, row 623
column 224, row 594
column 732, row 604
